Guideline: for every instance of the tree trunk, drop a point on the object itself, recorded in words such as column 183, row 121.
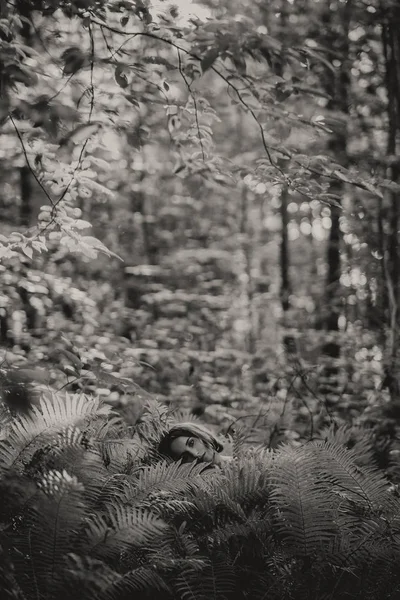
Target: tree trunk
column 139, row 204
column 336, row 85
column 284, row 252
column 391, row 47
column 336, row 24
column 25, row 213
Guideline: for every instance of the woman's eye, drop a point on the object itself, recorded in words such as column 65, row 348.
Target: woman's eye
column 190, row 443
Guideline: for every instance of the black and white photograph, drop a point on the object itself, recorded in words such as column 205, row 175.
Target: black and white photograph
column 200, row 299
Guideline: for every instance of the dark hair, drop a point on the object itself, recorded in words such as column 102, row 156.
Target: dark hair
column 189, row 429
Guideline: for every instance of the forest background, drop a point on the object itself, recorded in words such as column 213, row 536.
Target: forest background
column 199, row 204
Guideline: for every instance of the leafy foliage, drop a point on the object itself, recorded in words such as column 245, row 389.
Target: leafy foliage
column 284, row 521
column 194, row 147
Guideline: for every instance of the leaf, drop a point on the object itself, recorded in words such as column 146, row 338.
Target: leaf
column 75, row 360
column 80, row 134
column 159, row 60
column 166, row 86
column 124, row 20
column 28, row 251
column 94, row 243
column 209, row 59
column 240, row 63
column 6, row 252
column 54, row 413
column 341, row 176
column 81, row 224
column 371, row 188
column 23, row 75
column 120, row 77
column 74, row 59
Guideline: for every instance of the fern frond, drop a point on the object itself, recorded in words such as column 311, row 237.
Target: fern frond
column 305, row 517
column 360, row 484
column 168, row 507
column 5, row 420
column 357, row 439
column 52, row 415
column 216, row 580
column 99, row 581
column 103, row 429
column 182, row 415
column 252, row 537
column 15, row 493
column 141, row 580
column 246, row 481
column 153, row 422
column 214, row 506
column 239, row 442
column 106, row 536
column 10, row 590
column 46, row 532
column 121, row 455
column 171, row 477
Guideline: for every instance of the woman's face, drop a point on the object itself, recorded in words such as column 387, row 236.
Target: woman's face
column 189, row 448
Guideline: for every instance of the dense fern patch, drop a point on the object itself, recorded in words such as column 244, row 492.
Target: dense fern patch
column 89, row 510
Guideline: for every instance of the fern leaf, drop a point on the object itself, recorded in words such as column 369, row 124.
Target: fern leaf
column 175, row 477
column 214, row 501
column 5, row 420
column 247, row 481
column 100, row 582
column 305, row 518
column 215, row 581
column 46, row 532
column 10, row 590
column 359, row 440
column 54, row 414
column 361, row 484
column 121, row 455
column 119, row 530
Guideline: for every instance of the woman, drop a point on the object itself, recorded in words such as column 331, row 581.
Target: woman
column 192, row 441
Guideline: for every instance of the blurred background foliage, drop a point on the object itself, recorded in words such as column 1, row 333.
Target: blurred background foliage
column 199, row 202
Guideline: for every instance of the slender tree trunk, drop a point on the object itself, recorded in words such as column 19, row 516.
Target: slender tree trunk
column 139, row 202
column 246, row 243
column 391, row 47
column 337, row 28
column 25, row 213
column 336, row 24
column 284, row 252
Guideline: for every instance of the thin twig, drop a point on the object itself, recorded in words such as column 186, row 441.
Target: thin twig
column 27, row 160
column 196, row 112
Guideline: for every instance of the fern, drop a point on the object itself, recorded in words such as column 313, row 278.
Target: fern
column 100, row 582
column 10, row 590
column 216, row 581
column 107, row 535
column 175, row 477
column 246, row 481
column 359, row 440
column 26, row 432
column 45, row 532
column 361, row 484
column 5, row 420
column 305, row 519
column 95, row 513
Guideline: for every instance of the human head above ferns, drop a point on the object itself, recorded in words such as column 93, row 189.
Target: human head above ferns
column 192, row 442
